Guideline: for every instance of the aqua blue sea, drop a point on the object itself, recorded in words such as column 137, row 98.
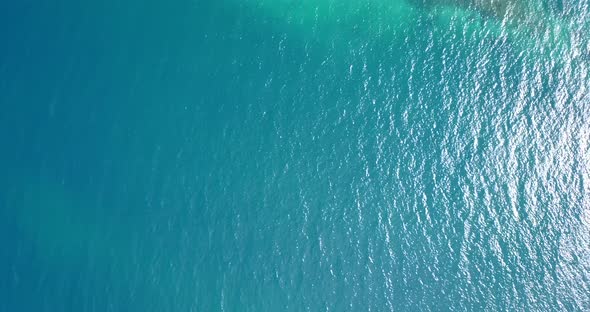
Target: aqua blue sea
column 260, row 155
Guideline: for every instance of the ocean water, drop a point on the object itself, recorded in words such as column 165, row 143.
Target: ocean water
column 324, row 155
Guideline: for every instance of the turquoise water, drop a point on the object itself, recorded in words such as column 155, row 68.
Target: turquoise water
column 295, row 155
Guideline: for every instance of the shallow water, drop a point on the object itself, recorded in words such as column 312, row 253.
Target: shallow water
column 294, row 156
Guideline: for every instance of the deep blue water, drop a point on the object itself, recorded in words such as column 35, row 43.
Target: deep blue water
column 294, row 156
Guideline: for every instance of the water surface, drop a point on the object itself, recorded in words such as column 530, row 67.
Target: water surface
column 295, row 156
